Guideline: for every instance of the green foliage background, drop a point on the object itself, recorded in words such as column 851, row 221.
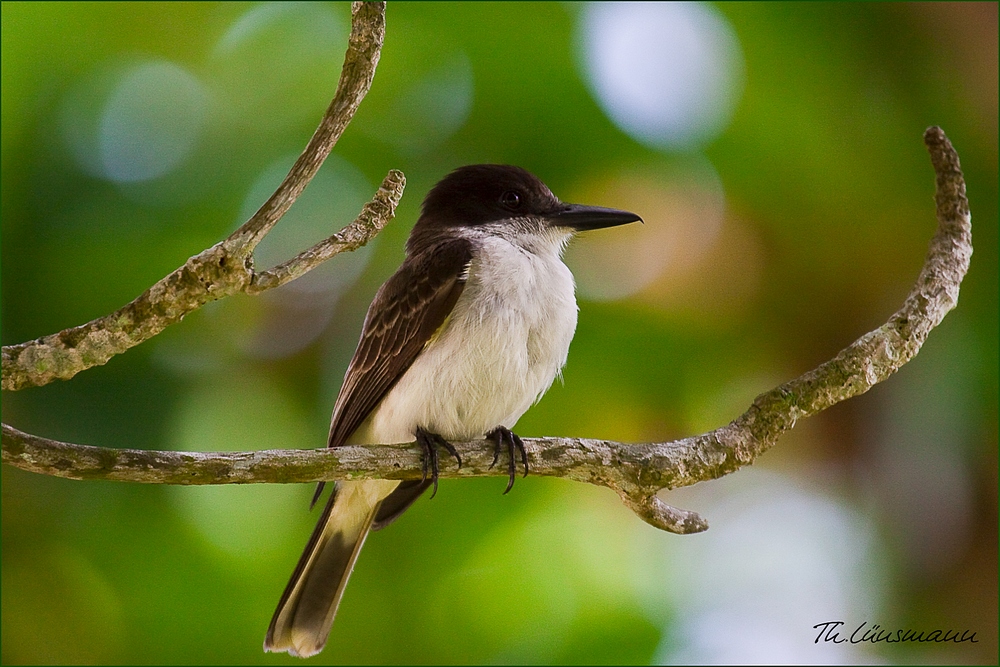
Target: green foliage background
column 828, row 210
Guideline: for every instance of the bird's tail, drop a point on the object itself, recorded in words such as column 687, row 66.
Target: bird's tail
column 302, row 621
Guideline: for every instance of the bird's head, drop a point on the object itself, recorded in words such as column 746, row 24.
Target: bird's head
column 506, row 201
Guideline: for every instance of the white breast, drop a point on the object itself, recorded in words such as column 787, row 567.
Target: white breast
column 505, row 342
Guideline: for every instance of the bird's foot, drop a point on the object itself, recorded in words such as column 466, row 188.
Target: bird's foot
column 502, row 436
column 430, row 442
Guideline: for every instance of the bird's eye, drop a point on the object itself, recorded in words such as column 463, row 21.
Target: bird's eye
column 510, row 200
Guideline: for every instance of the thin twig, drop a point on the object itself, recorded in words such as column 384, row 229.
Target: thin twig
column 636, row 472
column 373, row 217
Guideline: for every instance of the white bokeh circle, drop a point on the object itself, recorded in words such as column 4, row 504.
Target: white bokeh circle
column 667, row 74
column 152, row 122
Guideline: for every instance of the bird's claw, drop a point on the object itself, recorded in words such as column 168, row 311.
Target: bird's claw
column 503, row 436
column 430, row 442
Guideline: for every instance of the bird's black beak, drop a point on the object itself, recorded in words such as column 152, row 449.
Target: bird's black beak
column 581, row 218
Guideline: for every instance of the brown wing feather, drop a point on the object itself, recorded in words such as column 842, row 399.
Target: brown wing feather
column 406, row 312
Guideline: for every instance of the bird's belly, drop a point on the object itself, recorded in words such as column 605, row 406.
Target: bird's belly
column 485, row 368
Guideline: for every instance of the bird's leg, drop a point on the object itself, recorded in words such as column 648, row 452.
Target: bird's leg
column 503, row 436
column 429, row 442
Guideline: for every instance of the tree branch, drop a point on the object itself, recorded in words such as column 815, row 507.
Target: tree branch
column 227, row 267
column 636, row 472
column 373, row 217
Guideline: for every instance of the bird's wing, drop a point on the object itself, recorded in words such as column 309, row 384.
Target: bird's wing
column 406, row 312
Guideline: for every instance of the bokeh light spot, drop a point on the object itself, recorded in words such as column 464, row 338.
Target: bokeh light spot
column 667, row 74
column 433, row 107
column 803, row 558
column 292, row 316
column 682, row 216
column 276, row 62
column 576, row 559
column 152, row 122
column 236, row 412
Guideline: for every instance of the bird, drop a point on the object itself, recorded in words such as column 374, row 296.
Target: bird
column 457, row 344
